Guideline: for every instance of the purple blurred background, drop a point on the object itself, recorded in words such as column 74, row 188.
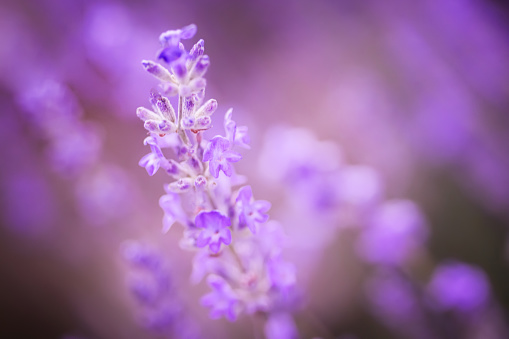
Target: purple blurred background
column 417, row 93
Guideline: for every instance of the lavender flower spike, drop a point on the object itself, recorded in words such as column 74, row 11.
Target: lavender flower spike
column 219, row 155
column 251, row 275
column 251, row 212
column 215, row 230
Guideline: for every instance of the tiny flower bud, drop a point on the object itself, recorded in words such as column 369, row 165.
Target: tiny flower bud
column 188, row 31
column 166, row 109
column 145, row 114
column 187, row 122
column 203, row 122
column 157, row 70
column 170, row 54
column 166, row 127
column 197, row 50
column 207, row 108
column 197, row 84
column 151, row 126
column 200, row 182
column 181, row 185
column 170, row 89
column 201, row 66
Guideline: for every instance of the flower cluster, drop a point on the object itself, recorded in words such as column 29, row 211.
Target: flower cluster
column 238, row 252
column 73, row 150
column 150, row 282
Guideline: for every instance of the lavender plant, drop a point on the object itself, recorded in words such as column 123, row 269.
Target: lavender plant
column 237, row 251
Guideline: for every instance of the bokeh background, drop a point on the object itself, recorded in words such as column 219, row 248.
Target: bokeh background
column 418, row 92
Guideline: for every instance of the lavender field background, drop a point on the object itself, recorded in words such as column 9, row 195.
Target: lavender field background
column 379, row 131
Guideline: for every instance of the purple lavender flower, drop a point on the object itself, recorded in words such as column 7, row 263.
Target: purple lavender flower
column 281, row 326
column 251, row 212
column 173, row 37
column 219, row 155
column 173, row 212
column 222, row 300
column 458, row 286
column 215, row 230
column 162, row 121
column 151, row 162
column 395, row 232
column 237, row 135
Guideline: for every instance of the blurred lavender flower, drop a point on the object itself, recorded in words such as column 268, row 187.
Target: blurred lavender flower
column 395, row 231
column 151, row 284
column 460, row 287
column 103, row 192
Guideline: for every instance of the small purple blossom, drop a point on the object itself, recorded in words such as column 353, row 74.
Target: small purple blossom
column 219, row 155
column 458, row 286
column 173, row 212
column 222, row 300
column 215, row 230
column 237, row 135
column 251, row 212
column 173, row 37
column 281, row 326
column 151, row 162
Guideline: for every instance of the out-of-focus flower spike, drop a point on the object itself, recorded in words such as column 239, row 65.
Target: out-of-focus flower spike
column 158, row 71
column 207, row 108
column 201, row 67
column 279, row 326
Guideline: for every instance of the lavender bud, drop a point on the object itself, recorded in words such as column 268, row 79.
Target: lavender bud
column 166, row 126
column 200, row 95
column 152, row 126
column 203, row 122
column 188, row 31
column 145, row 114
column 170, row 89
column 165, row 108
column 197, row 84
column 170, row 38
column 200, row 182
column 197, row 50
column 170, row 54
column 172, row 167
column 181, row 185
column 187, row 122
column 157, row 70
column 207, row 108
column 184, row 90
column 179, row 69
column 201, row 66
